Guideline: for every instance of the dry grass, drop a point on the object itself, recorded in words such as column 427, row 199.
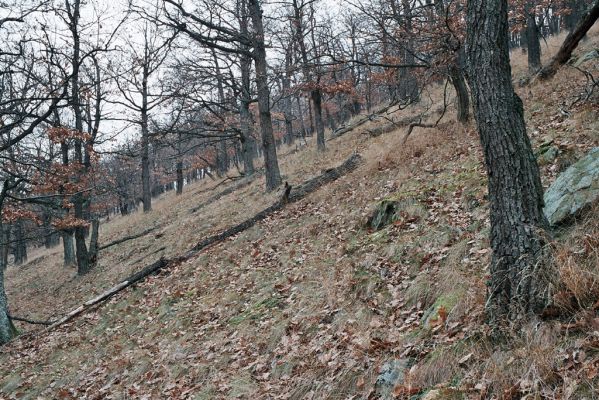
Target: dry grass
column 309, row 303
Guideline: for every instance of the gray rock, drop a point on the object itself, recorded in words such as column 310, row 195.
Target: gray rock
column 547, row 153
column 392, row 373
column 388, row 211
column 574, row 190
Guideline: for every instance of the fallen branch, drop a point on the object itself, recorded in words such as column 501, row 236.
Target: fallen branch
column 379, row 130
column 420, row 124
column 290, row 195
column 570, row 42
column 342, row 130
column 126, row 238
column 411, row 128
column 30, row 321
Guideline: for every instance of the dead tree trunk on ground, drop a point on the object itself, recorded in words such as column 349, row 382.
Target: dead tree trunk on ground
column 574, row 37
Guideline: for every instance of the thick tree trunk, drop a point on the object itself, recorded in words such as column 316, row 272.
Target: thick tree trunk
column 587, row 20
column 533, row 43
column 519, row 282
column 271, row 164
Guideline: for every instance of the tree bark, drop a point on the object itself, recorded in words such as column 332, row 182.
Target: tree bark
column 248, row 144
column 408, row 85
column 587, row 20
column 519, row 281
column 81, row 253
column 146, row 190
column 7, row 329
column 532, row 40
column 287, row 109
column 223, row 155
column 271, row 164
column 315, row 92
column 317, row 101
column 68, row 249
column 20, row 248
column 179, row 177
column 463, row 98
column 4, row 245
column 93, row 241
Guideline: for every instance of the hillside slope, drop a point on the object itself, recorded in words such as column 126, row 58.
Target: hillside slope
column 311, row 303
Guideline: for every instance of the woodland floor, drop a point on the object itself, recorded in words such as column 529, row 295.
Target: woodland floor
column 309, row 304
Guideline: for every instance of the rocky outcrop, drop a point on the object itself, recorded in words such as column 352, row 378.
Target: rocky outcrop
column 575, row 190
column 389, row 211
column 391, row 374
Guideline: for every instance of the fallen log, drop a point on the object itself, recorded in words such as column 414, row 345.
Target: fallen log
column 126, row 238
column 570, row 43
column 30, row 321
column 290, row 196
column 393, row 125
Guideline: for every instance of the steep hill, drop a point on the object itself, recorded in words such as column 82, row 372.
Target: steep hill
column 312, row 303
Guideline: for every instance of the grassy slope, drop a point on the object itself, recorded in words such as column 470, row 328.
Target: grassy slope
column 309, row 303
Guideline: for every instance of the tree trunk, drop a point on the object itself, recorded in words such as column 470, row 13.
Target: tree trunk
column 93, row 241
column 81, row 253
column 68, row 249
column 4, row 245
column 20, row 244
column 301, row 117
column 519, row 282
column 179, row 177
column 271, row 164
column 408, row 84
column 222, row 152
column 146, row 190
column 532, row 40
column 317, row 101
column 463, row 99
column 563, row 55
column 287, row 109
column 51, row 238
column 7, row 329
column 248, row 144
